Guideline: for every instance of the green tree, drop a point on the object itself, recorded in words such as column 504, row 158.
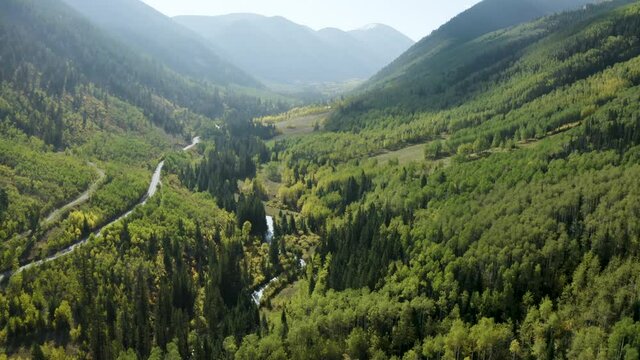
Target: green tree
column 284, row 325
column 230, row 347
column 129, row 354
column 156, row 354
column 4, row 201
column 357, row 344
column 624, row 341
column 142, row 329
column 172, row 351
column 457, row 341
column 274, row 254
column 63, row 318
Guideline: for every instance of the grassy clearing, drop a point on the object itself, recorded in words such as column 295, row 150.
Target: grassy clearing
column 298, row 121
column 416, row 152
column 404, row 155
column 301, row 125
column 273, row 204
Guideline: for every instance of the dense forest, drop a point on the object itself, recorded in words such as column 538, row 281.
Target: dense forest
column 79, row 110
column 512, row 233
column 515, row 234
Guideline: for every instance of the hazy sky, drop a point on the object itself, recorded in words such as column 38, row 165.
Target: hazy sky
column 415, row 18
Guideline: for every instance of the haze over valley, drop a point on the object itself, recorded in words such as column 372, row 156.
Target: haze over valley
column 280, row 51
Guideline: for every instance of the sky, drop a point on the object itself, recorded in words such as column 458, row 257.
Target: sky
column 414, row 18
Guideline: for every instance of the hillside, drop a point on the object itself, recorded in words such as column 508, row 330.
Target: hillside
column 456, row 51
column 150, row 32
column 483, row 18
column 84, row 121
column 279, row 51
column 511, row 235
column 81, row 95
column 383, row 40
column 486, row 210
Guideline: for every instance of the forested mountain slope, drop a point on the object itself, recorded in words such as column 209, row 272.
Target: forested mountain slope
column 282, row 52
column 51, row 39
column 75, row 103
column 67, row 84
column 148, row 31
column 458, row 50
column 515, row 236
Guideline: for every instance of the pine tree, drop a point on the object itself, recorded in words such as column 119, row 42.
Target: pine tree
column 4, row 201
column 274, row 255
column 284, row 328
column 163, row 328
column 37, row 353
column 142, row 328
column 264, row 325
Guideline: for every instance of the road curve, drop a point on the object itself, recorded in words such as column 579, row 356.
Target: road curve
column 55, row 214
column 153, row 188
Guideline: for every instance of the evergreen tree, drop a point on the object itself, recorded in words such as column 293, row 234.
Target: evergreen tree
column 4, row 201
column 142, row 319
column 284, row 326
column 274, row 254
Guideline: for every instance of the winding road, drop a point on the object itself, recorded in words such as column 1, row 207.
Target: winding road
column 153, row 188
column 55, row 214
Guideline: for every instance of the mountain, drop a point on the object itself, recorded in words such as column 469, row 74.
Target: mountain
column 483, row 18
column 469, row 45
column 148, row 31
column 280, row 51
column 485, row 207
column 66, row 84
column 85, row 118
column 494, row 216
column 384, row 40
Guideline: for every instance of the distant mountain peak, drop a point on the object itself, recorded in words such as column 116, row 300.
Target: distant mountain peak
column 280, row 51
column 332, row 29
column 373, row 26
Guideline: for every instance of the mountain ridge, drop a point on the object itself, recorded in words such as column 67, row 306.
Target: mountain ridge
column 484, row 19
column 275, row 49
column 417, row 80
column 147, row 30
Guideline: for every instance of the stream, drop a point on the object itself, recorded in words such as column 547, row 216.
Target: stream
column 256, row 296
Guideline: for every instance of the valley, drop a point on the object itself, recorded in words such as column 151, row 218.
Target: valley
column 161, row 196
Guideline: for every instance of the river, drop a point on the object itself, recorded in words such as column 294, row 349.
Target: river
column 257, row 294
column 269, row 235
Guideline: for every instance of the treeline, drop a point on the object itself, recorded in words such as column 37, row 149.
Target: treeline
column 363, row 247
column 617, row 127
column 250, row 208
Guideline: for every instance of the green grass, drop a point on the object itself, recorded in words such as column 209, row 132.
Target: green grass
column 300, row 125
column 404, row 156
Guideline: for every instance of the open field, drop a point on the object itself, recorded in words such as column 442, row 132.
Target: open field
column 300, row 125
column 404, row 155
column 416, row 152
